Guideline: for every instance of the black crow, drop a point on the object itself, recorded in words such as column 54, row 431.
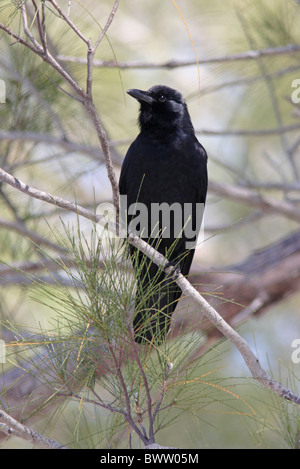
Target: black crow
column 164, row 179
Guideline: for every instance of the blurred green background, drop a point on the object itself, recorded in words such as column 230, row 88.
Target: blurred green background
column 248, row 95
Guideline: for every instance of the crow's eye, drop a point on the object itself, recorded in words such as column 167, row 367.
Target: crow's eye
column 162, row 98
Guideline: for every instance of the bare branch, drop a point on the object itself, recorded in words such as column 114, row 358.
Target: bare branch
column 274, row 271
column 249, row 197
column 18, row 38
column 67, row 20
column 89, row 73
column 46, row 197
column 35, row 266
column 64, row 143
column 271, row 90
column 279, row 186
column 242, row 81
column 249, row 132
column 250, row 359
column 27, row 31
column 108, row 23
column 244, row 56
column 87, row 100
column 233, row 192
column 48, row 58
column 26, row 433
column 41, row 24
column 35, row 237
column 90, row 107
column 146, row 386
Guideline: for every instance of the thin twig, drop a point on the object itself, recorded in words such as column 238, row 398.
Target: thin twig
column 41, row 25
column 92, row 49
column 271, row 91
column 244, row 80
column 22, row 267
column 18, row 38
column 97, row 402
column 68, row 21
column 162, row 392
column 48, row 58
column 108, row 23
column 44, row 35
column 27, row 31
column 146, row 386
column 170, row 64
column 89, row 72
column 36, row 238
column 66, row 144
column 249, row 132
column 90, row 107
column 127, row 415
column 252, row 198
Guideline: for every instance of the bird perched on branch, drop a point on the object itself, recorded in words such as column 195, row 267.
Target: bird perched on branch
column 163, row 185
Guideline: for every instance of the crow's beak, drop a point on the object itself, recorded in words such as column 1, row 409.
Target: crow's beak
column 140, row 95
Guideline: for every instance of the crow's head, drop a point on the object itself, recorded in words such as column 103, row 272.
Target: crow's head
column 162, row 108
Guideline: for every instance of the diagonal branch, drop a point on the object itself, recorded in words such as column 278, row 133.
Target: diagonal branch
column 252, row 362
column 46, row 197
column 13, row 427
column 252, row 198
column 67, row 19
column 108, row 23
column 46, row 57
column 36, row 238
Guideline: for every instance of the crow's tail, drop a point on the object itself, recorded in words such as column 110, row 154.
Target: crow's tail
column 155, row 301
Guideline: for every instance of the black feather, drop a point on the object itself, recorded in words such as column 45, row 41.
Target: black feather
column 165, row 164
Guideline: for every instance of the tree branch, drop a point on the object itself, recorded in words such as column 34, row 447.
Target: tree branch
column 46, row 197
column 64, row 143
column 250, row 359
column 22, row 431
column 252, row 362
column 252, row 198
column 249, row 132
column 35, row 237
column 170, row 64
column 68, row 21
